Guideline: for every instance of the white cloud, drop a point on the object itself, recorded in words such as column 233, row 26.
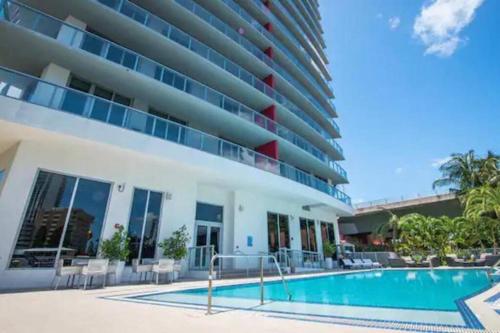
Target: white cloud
column 437, row 162
column 394, row 22
column 439, row 24
column 398, row 171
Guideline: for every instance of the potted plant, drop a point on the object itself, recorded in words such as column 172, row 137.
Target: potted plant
column 328, row 251
column 175, row 247
column 116, row 249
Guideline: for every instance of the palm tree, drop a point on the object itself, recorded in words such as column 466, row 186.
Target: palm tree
column 392, row 225
column 489, row 169
column 482, row 206
column 460, row 172
column 465, row 171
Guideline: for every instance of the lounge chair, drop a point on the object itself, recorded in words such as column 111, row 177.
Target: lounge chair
column 397, row 263
column 373, row 264
column 164, row 266
column 69, row 271
column 434, row 261
column 409, row 261
column 491, row 260
column 362, row 264
column 95, row 267
column 452, row 262
column 348, row 263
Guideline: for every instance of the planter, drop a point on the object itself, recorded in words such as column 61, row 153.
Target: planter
column 116, row 267
column 120, row 266
column 328, row 263
column 178, row 267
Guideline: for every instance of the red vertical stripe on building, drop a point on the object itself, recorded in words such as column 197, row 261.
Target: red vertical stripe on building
column 269, row 149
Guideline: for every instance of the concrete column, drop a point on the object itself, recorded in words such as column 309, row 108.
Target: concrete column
column 336, row 230
column 140, row 105
column 46, row 94
column 55, row 74
column 70, row 36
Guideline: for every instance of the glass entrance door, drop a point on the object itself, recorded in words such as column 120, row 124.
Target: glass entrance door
column 278, row 234
column 207, row 234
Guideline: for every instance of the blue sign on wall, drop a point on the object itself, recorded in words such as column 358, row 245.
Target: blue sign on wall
column 249, row 241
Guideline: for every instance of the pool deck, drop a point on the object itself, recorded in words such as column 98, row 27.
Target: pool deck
column 99, row 310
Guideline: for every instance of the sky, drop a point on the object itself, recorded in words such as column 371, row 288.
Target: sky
column 414, row 80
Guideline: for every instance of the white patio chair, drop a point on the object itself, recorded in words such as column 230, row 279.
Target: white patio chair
column 164, row 266
column 140, row 269
column 69, row 271
column 95, row 267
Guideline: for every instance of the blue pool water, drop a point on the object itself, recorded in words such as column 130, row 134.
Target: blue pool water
column 406, row 289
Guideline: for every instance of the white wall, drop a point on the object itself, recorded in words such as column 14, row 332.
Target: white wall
column 93, row 162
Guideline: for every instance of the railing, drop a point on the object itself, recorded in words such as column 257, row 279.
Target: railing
column 277, row 22
column 287, row 13
column 261, row 257
column 142, row 16
column 254, row 23
column 314, row 37
column 292, row 57
column 299, row 258
column 250, row 47
column 199, row 257
column 68, row 35
column 36, row 91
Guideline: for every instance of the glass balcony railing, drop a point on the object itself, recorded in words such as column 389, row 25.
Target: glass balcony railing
column 254, row 23
column 292, row 3
column 253, row 49
column 268, row 35
column 180, row 37
column 287, row 13
column 277, row 23
column 35, row 91
column 76, row 38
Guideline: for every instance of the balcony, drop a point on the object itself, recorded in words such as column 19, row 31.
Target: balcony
column 253, row 49
column 167, row 30
column 316, row 82
column 33, row 90
column 68, row 35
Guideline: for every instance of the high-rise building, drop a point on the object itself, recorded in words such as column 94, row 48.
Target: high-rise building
column 215, row 115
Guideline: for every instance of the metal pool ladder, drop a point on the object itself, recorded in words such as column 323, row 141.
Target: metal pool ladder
column 247, row 256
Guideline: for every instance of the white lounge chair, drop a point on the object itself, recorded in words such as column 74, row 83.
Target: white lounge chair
column 140, row 269
column 348, row 263
column 95, row 267
column 373, row 264
column 164, row 266
column 69, row 271
column 361, row 263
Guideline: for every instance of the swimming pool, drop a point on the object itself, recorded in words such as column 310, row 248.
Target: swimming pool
column 379, row 298
column 414, row 289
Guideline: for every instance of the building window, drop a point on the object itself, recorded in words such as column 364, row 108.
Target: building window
column 308, row 235
column 90, row 88
column 144, row 223
column 165, row 115
column 328, row 233
column 278, row 232
column 209, row 213
column 63, row 220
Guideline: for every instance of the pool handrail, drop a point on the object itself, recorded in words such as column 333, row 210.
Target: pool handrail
column 261, row 257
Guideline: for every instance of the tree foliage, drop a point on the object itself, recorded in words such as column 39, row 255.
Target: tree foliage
column 463, row 172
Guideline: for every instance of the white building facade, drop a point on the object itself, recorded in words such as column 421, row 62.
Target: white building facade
column 214, row 115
